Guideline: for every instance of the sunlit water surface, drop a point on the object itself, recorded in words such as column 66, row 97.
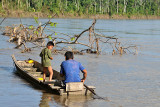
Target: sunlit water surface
column 128, row 80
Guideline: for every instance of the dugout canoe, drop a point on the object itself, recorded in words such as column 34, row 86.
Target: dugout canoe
column 31, row 71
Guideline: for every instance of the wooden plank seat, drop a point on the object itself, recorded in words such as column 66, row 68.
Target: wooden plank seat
column 74, row 86
column 36, row 74
column 30, row 69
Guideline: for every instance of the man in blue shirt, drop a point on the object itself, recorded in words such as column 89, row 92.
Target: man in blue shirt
column 71, row 69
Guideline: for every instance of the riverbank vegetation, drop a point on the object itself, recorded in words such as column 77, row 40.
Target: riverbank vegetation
column 117, row 9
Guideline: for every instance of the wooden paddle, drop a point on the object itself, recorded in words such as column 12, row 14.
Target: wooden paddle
column 91, row 90
column 98, row 97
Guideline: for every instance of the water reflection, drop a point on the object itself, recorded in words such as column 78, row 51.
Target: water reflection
column 128, row 80
column 49, row 100
column 45, row 99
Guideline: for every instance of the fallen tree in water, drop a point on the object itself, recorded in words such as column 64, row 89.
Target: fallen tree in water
column 92, row 43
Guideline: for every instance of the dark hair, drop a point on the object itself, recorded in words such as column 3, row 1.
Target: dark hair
column 68, row 55
column 50, row 43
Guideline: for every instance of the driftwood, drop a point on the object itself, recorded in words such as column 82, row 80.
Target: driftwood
column 21, row 34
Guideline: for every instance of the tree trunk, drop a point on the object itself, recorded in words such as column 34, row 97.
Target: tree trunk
column 6, row 3
column 95, row 7
column 124, row 10
column 100, row 7
column 27, row 4
column 60, row 5
column 108, row 6
column 3, row 4
column 18, row 4
column 66, row 3
column 158, row 11
column 97, row 45
column 117, row 7
column 78, row 4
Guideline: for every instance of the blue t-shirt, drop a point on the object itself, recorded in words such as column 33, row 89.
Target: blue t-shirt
column 71, row 70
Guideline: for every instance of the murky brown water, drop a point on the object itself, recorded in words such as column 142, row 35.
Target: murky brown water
column 128, row 80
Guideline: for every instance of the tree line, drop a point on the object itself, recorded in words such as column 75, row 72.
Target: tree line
column 85, row 7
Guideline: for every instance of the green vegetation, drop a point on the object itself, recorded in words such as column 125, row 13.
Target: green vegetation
column 84, row 7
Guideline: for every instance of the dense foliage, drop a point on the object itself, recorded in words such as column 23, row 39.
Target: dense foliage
column 89, row 7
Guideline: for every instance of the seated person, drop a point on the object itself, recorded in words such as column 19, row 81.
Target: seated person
column 71, row 69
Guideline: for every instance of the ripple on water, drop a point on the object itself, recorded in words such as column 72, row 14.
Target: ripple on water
column 127, row 80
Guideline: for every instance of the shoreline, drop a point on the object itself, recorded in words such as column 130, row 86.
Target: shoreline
column 16, row 14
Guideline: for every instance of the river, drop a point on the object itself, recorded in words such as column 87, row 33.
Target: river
column 128, row 80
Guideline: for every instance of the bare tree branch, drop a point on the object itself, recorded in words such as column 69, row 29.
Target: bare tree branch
column 91, row 27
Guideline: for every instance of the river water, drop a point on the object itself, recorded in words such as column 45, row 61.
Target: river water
column 128, row 80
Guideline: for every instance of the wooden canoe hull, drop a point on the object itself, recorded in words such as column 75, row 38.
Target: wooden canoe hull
column 32, row 80
column 31, row 75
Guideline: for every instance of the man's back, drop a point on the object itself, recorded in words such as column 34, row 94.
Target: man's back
column 71, row 70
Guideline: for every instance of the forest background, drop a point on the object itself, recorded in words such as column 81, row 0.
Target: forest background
column 102, row 9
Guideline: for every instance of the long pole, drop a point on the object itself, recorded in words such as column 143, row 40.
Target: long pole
column 91, row 90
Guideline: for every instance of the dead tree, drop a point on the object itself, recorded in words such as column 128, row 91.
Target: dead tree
column 22, row 34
